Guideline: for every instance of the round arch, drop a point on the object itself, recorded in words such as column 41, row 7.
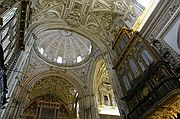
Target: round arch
column 44, row 25
column 101, row 87
column 78, row 84
column 93, row 82
column 63, row 75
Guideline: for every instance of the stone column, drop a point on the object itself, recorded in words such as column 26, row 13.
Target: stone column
column 12, row 81
column 39, row 115
column 15, row 109
column 81, row 108
column 10, row 108
column 91, row 107
column 37, row 111
column 87, row 108
column 23, row 104
column 110, row 99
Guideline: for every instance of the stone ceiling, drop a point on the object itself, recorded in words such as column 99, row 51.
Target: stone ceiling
column 65, row 48
column 54, row 87
column 102, row 81
column 102, row 18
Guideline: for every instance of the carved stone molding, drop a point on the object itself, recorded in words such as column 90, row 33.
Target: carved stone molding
column 159, row 25
column 101, row 17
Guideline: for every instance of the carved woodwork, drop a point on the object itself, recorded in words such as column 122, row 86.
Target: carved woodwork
column 148, row 85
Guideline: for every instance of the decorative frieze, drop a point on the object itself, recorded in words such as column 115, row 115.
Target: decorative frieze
column 165, row 53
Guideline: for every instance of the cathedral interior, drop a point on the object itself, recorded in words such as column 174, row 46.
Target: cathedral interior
column 89, row 59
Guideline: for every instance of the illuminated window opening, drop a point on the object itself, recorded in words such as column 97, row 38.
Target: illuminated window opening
column 59, row 60
column 79, row 59
column 77, row 110
column 144, row 3
column 41, row 50
column 74, row 106
column 90, row 48
column 106, row 100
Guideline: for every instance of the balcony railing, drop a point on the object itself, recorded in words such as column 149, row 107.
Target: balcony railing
column 163, row 89
column 158, row 80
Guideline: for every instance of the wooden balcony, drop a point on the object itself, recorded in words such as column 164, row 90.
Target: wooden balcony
column 156, row 83
column 155, row 96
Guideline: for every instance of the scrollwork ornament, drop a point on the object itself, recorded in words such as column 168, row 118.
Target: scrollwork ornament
column 166, row 54
column 73, row 19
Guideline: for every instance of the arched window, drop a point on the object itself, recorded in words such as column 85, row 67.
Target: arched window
column 134, row 67
column 59, row 60
column 126, row 83
column 106, row 100
column 79, row 59
column 147, row 57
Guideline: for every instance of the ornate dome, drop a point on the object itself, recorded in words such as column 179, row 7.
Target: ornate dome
column 63, row 47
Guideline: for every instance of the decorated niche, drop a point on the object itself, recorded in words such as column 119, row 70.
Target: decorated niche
column 104, row 94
